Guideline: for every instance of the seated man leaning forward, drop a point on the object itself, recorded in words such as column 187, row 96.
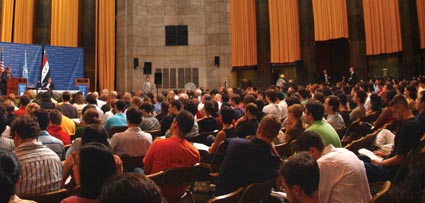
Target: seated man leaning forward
column 173, row 152
column 250, row 161
column 342, row 175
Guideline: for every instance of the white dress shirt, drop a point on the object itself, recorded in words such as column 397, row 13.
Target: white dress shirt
column 342, row 177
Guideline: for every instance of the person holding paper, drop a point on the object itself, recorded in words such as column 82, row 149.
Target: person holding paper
column 406, row 139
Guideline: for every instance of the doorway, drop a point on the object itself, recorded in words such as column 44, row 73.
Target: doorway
column 334, row 56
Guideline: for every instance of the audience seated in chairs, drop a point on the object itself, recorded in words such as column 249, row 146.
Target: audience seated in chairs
column 240, row 165
column 90, row 116
column 301, row 178
column 412, row 187
column 149, row 122
column 132, row 142
column 375, row 108
column 173, row 152
column 248, row 123
column 119, row 118
column 342, row 174
column 55, row 129
column 313, row 116
column 44, row 137
column 34, row 155
column 331, row 106
column 9, row 177
column 92, row 133
column 130, row 188
column 406, row 139
column 228, row 131
column 92, row 166
column 208, row 123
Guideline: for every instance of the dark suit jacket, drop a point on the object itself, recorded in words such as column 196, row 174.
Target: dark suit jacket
column 52, row 86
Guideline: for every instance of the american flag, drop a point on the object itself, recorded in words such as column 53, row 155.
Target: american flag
column 1, row 62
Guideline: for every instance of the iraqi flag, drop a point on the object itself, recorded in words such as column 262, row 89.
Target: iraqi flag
column 45, row 72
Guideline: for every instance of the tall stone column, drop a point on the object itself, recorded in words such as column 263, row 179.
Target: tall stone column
column 357, row 38
column 87, row 36
column 308, row 48
column 264, row 71
column 42, row 19
column 410, row 38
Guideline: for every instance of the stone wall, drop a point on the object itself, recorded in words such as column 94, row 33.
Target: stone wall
column 141, row 34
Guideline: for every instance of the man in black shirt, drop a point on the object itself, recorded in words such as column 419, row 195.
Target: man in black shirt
column 406, row 139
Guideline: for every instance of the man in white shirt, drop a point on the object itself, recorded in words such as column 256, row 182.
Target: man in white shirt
column 342, row 175
column 272, row 107
column 132, row 142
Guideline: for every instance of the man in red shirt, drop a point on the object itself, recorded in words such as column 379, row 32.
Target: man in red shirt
column 55, row 128
column 173, row 152
column 23, row 102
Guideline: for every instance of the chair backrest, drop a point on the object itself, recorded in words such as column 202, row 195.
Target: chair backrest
column 384, row 188
column 218, row 156
column 157, row 177
column 228, row 198
column 355, row 145
column 202, row 137
column 369, row 139
column 257, row 192
column 285, row 149
column 116, row 129
column 48, row 197
column 402, row 171
column 131, row 162
column 154, row 133
column 181, row 176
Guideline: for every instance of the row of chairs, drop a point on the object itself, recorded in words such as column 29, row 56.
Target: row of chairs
column 255, row 192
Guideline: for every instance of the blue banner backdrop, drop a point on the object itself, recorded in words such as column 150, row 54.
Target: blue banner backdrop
column 14, row 54
column 66, row 64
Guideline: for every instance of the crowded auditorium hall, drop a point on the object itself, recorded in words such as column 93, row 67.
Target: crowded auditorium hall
column 212, row 101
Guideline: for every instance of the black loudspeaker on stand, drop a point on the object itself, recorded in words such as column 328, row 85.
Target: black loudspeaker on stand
column 158, row 78
column 136, row 63
column 147, row 68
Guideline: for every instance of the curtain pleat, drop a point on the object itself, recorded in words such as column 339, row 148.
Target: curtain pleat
column 330, row 19
column 382, row 26
column 244, row 34
column 64, row 23
column 7, row 20
column 420, row 5
column 284, row 31
column 105, row 44
column 24, row 18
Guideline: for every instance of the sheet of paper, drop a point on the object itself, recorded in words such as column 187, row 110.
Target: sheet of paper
column 370, row 154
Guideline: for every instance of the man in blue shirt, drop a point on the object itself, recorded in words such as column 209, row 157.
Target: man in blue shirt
column 119, row 119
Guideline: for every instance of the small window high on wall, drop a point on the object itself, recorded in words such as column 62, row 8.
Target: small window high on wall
column 176, row 35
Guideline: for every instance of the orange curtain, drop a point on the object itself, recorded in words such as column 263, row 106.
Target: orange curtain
column 64, row 26
column 105, row 44
column 382, row 26
column 244, row 33
column 284, row 31
column 420, row 5
column 23, row 25
column 7, row 20
column 330, row 19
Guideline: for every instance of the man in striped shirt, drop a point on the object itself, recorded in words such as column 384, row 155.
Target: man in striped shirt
column 41, row 168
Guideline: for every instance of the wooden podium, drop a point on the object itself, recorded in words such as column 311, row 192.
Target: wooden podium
column 16, row 85
column 82, row 85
